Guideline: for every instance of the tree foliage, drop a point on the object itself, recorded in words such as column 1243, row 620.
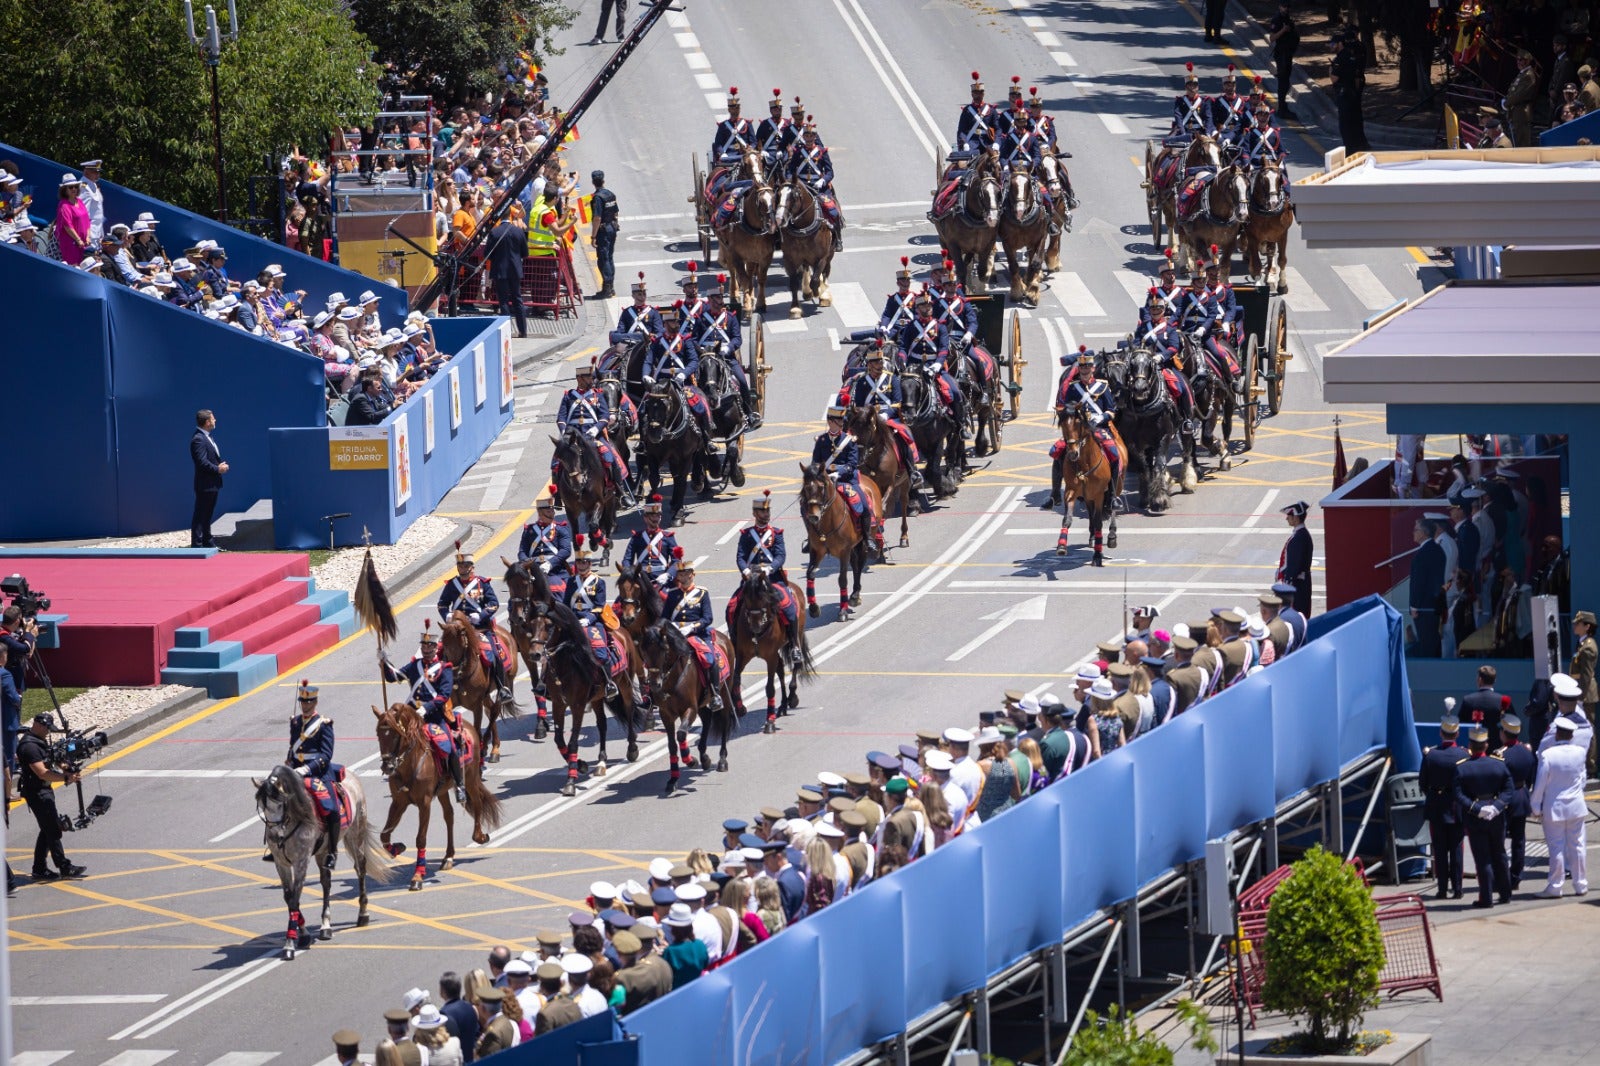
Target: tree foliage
column 456, row 50
column 119, row 79
column 1117, row 1040
column 1324, row 950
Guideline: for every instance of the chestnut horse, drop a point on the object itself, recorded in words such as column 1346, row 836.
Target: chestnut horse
column 1220, row 222
column 461, row 645
column 756, row 631
column 640, row 602
column 575, row 684
column 1271, row 219
column 1085, row 472
column 1053, row 174
column 831, row 530
column 672, row 676
column 807, row 242
column 1024, row 229
column 880, row 461
column 969, row 229
column 746, row 245
column 416, row 779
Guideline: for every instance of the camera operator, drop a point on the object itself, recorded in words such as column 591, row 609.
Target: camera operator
column 18, row 634
column 33, row 753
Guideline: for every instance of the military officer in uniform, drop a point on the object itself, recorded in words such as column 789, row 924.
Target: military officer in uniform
column 1262, row 143
column 810, row 164
column 584, row 408
column 311, row 756
column 1294, row 561
column 1278, row 630
column 1190, row 111
column 474, row 596
column 432, row 681
column 734, row 134
column 652, row 547
column 674, row 356
column 1523, row 764
column 716, row 332
column 1020, row 147
column 1484, row 793
column 1238, row 654
column 1044, row 128
column 586, row 591
column 1187, row 680
column 1494, row 134
column 1228, row 114
column 774, row 134
column 688, row 605
column 1437, row 780
column 639, row 319
column 975, row 128
column 761, row 545
column 1427, row 585
column 548, row 542
column 693, row 303
column 1098, row 403
column 1582, row 670
column 1520, row 94
column 926, row 342
column 1003, row 115
column 899, row 308
column 837, row 454
column 877, row 388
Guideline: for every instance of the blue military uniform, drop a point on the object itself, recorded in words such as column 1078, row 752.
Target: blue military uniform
column 957, row 314
column 1523, row 764
column 638, row 322
column 656, row 551
column 774, row 134
column 761, row 544
column 1427, row 582
column 1294, row 568
column 1191, row 113
column 588, row 411
column 1228, row 115
column 975, row 127
column 474, row 596
column 1258, row 146
column 672, row 356
column 717, row 332
column 690, row 610
column 548, row 543
column 1289, row 592
column 810, row 164
column 899, row 311
column 928, row 343
column 311, row 754
column 1020, row 147
column 432, row 682
column 1437, row 778
column 586, row 594
column 1100, row 404
column 1484, row 787
column 733, row 134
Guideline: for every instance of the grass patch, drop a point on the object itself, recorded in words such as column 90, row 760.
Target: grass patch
column 318, row 556
column 37, row 700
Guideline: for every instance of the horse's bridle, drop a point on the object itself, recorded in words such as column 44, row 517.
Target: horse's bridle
column 1277, row 199
column 654, row 431
column 813, row 520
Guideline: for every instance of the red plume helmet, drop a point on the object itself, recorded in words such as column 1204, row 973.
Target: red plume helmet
column 777, row 94
column 722, row 279
column 1016, row 79
column 1213, row 252
column 1189, row 67
column 733, row 90
column 974, row 75
column 677, row 551
column 1083, row 347
column 458, row 545
column 577, row 541
column 1231, row 68
column 693, row 266
column 552, row 490
column 905, row 261
column 1169, row 255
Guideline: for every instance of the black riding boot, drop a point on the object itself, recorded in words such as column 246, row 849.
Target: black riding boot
column 501, row 682
column 330, row 826
column 458, row 777
column 752, row 417
column 917, row 483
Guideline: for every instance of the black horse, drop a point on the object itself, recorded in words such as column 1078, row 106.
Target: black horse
column 727, row 420
column 587, row 496
column 622, row 422
column 1214, row 400
column 1148, row 420
column 673, row 679
column 668, row 433
column 936, row 431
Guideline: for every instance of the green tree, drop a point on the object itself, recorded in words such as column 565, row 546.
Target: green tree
column 455, row 50
column 1116, row 1040
column 1324, row 950
column 119, row 79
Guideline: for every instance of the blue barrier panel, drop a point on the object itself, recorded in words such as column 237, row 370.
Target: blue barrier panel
column 611, row 1053
column 1171, row 799
column 562, row 1044
column 1021, row 869
column 327, row 471
column 695, row 1023
column 925, row 898
column 58, row 365
column 1363, row 693
column 1568, row 133
column 1099, row 836
column 861, row 998
column 180, row 229
column 1299, row 754
column 1232, row 798
column 775, row 1017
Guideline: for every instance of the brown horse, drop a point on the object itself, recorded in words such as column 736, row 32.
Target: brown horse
column 807, row 242
column 1271, row 219
column 880, row 461
column 1220, row 222
column 755, row 630
column 640, row 602
column 587, row 494
column 527, row 588
column 675, row 684
column 576, row 683
column 1024, row 229
column 1084, row 470
column 969, row 229
column 748, row 242
column 416, row 779
column 461, row 645
column 1053, row 174
column 832, row 530
column 1202, row 153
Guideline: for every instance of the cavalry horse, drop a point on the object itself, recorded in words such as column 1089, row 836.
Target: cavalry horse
column 639, row 603
column 807, row 242
column 1053, row 175
column 584, row 485
column 831, row 530
column 575, row 684
column 880, row 461
column 610, row 369
column 1267, row 231
column 1219, row 221
column 1024, row 229
column 1172, row 169
column 674, row 682
column 417, row 777
column 748, row 240
column 295, row 839
column 934, row 428
column 1147, row 419
column 669, row 433
column 1084, row 472
column 461, row 645
column 756, row 632
column 968, row 220
column 1214, row 401
column 527, row 588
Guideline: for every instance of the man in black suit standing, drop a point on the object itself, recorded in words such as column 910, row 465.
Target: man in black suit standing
column 208, row 471
column 508, row 246
column 1485, row 706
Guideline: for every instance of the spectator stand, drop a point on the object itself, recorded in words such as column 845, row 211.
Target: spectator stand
column 383, row 199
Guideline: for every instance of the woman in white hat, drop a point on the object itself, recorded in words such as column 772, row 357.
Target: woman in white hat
column 72, row 221
column 443, row 1049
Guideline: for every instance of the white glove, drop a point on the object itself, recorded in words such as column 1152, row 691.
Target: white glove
column 303, row 771
column 544, row 566
column 649, row 380
column 1488, row 812
column 746, row 573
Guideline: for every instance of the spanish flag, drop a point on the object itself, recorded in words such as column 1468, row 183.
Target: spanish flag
column 585, row 209
column 572, row 135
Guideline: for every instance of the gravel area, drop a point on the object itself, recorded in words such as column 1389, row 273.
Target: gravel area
column 104, row 707
column 343, row 567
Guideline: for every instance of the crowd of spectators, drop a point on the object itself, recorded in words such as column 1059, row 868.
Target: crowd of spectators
column 635, row 941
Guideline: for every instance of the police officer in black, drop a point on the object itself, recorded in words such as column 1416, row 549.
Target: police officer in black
column 1438, row 781
column 1347, row 72
column 1523, row 762
column 603, row 217
column 1483, row 795
column 35, row 781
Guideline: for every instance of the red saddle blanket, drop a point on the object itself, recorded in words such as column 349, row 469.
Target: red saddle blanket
column 982, row 363
column 856, row 500
column 1166, row 171
column 715, row 668
column 319, row 792
column 488, row 650
column 443, row 740
column 1191, row 198
column 619, row 655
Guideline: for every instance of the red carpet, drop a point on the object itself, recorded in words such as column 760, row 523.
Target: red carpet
column 123, row 612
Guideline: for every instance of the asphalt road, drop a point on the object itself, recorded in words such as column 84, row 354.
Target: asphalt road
column 172, row 934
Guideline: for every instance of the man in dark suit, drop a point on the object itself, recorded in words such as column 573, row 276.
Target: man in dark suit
column 1294, row 561
column 1438, row 782
column 1427, row 583
column 1485, row 706
column 1523, row 763
column 208, row 471
column 368, row 407
column 507, row 248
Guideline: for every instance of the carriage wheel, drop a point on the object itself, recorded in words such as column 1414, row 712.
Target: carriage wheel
column 1278, row 352
column 1251, row 410
column 702, row 210
column 1152, row 198
column 1014, row 365
column 756, row 368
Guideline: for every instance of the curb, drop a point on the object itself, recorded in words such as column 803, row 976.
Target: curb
column 409, row 575
column 151, row 716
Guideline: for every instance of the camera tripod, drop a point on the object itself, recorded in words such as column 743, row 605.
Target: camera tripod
column 101, row 803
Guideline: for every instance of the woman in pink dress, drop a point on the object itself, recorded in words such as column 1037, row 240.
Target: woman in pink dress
column 72, row 221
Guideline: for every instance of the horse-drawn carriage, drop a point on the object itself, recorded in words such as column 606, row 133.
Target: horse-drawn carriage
column 1264, row 354
column 755, row 362
column 1163, row 173
column 703, row 207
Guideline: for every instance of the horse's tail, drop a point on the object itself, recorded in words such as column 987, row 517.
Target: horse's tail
column 485, row 805
column 364, row 848
column 807, row 670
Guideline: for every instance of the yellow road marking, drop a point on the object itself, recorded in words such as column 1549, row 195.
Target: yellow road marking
column 78, row 890
column 508, row 886
column 36, row 941
column 1419, row 255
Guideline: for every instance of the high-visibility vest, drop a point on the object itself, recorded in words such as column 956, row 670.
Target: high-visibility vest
column 542, row 240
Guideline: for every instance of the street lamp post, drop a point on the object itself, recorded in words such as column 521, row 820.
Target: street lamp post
column 210, row 45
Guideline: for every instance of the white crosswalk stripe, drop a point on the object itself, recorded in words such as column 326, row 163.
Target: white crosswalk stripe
column 1301, row 297
column 1136, row 285
column 138, row 1058
column 244, row 1058
column 1365, row 284
column 853, row 305
column 38, row 1058
column 1075, row 296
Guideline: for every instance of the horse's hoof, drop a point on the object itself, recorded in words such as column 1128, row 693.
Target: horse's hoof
column 633, row 753
column 599, row 769
column 705, row 761
column 793, row 702
column 722, row 766
column 795, row 312
column 493, row 756
column 395, row 850
column 671, row 787
column 855, row 599
column 325, row 933
column 569, row 789
column 1099, row 560
column 288, row 953
column 583, row 766
column 844, row 613
column 540, row 728
column 770, row 727
column 1226, row 463
column 449, row 863
column 480, row 837
column 363, row 918
column 1061, row 550
column 1111, row 541
column 415, row 886
column 813, row 611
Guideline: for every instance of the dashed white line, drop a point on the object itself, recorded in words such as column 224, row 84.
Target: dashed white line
column 1075, row 296
column 687, row 41
column 1134, row 284
column 708, row 81
column 1033, row 22
column 715, row 102
column 1048, row 39
column 697, row 61
column 1068, row 341
column 833, row 338
column 677, row 20
column 1064, row 59
column 1113, row 124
